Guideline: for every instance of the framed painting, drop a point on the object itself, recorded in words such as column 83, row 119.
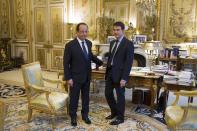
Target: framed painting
column 140, row 38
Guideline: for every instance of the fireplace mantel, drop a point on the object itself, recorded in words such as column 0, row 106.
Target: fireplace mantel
column 102, row 49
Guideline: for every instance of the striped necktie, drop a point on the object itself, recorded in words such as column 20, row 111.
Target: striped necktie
column 114, row 51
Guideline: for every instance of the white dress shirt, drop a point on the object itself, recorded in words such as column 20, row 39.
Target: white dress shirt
column 85, row 44
column 119, row 40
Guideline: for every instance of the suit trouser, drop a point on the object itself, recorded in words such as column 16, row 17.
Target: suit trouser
column 74, row 98
column 117, row 107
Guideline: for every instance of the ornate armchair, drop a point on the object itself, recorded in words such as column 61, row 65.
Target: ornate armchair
column 46, row 99
column 175, row 114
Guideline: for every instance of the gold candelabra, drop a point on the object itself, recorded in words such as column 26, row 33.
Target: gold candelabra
column 191, row 46
column 152, row 49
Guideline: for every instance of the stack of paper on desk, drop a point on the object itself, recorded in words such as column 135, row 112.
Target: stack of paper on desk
column 185, row 77
column 145, row 69
column 136, row 68
column 181, row 77
column 194, row 56
column 160, row 68
column 170, row 78
column 173, row 73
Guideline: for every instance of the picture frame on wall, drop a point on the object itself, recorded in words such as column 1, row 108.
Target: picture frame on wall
column 140, row 38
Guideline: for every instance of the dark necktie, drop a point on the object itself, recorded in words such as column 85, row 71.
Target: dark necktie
column 84, row 50
column 114, row 51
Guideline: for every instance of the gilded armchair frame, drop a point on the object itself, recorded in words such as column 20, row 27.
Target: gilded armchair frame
column 49, row 96
column 173, row 120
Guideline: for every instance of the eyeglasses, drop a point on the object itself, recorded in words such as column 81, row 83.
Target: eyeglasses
column 83, row 31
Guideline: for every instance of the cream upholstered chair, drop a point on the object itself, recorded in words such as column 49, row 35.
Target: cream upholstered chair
column 46, row 99
column 175, row 114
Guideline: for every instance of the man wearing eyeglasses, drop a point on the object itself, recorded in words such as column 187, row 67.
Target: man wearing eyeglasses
column 77, row 72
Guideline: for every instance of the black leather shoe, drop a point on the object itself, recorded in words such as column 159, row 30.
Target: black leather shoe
column 116, row 122
column 73, row 121
column 110, row 117
column 86, row 120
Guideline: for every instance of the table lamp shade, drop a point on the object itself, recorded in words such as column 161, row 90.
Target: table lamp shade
column 152, row 45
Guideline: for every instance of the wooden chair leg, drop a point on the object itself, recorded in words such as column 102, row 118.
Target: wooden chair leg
column 93, row 85
column 53, row 123
column 29, row 114
column 174, row 128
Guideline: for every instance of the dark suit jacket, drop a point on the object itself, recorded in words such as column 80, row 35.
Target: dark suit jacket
column 76, row 66
column 122, row 61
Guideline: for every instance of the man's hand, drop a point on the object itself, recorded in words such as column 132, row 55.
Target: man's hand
column 70, row 82
column 122, row 83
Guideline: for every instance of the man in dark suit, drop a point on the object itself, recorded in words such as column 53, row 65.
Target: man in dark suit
column 119, row 64
column 77, row 72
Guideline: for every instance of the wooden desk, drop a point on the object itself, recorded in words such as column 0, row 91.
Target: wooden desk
column 175, row 86
column 136, row 79
column 188, row 61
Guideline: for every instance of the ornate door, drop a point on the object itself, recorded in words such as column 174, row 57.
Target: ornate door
column 48, row 31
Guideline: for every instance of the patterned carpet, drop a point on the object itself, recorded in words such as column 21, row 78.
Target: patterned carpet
column 11, row 91
column 140, row 118
column 17, row 111
column 16, row 116
column 144, row 110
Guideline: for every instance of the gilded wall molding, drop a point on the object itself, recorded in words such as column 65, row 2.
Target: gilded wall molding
column 117, row 10
column 56, row 1
column 179, row 21
column 57, row 24
column 39, row 2
column 41, row 56
column 20, row 19
column 5, row 18
column 158, row 19
column 40, row 22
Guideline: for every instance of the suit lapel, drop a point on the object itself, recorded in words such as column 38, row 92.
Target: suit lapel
column 111, row 46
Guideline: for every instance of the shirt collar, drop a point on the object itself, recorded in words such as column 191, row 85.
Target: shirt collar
column 79, row 40
column 120, row 39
